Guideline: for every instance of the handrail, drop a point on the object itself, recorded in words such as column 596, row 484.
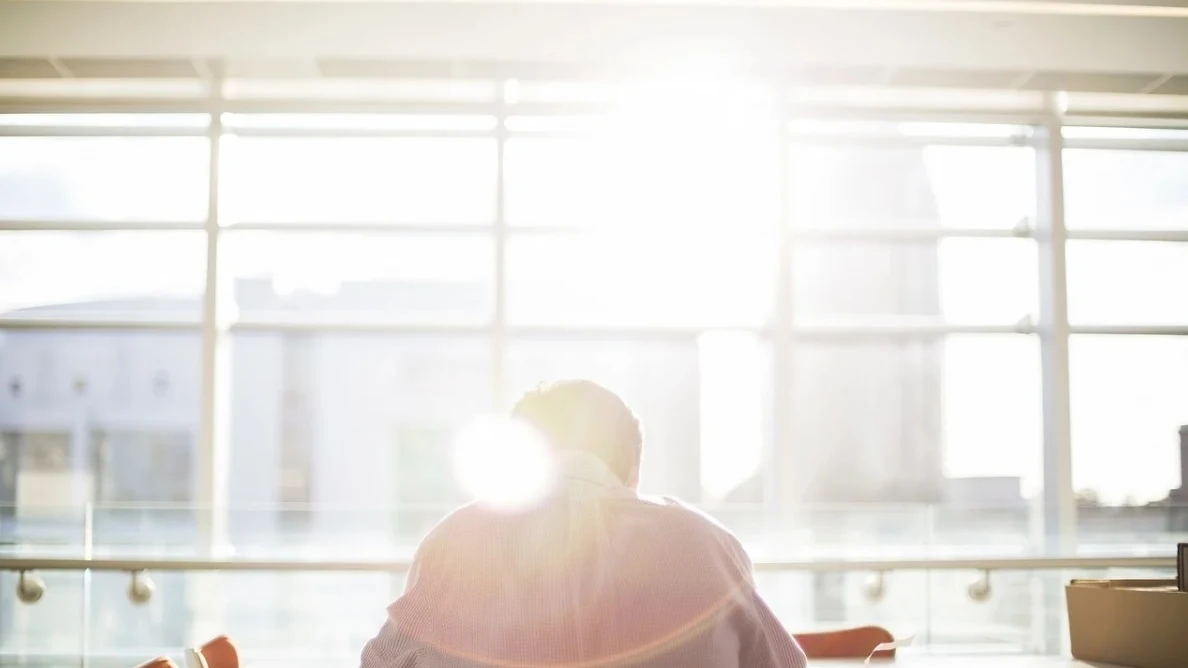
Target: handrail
column 133, row 564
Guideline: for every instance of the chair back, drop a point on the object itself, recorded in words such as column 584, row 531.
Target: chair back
column 159, row 662
column 217, row 653
column 220, row 653
column 855, row 643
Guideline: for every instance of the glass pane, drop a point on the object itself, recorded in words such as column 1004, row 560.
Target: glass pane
column 422, row 180
column 99, row 417
column 120, row 628
column 51, row 628
column 103, row 178
column 343, row 426
column 952, row 418
column 625, row 176
column 912, row 187
column 955, row 280
column 1129, row 400
column 1127, row 282
column 1125, row 189
column 312, row 276
column 552, row 182
column 103, row 274
column 660, row 280
column 677, row 392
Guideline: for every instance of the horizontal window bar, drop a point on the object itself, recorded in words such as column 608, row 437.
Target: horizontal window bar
column 89, row 105
column 623, row 333
column 808, row 233
column 860, row 139
column 356, row 326
column 1127, row 144
column 1135, row 120
column 106, row 323
column 802, row 109
column 1130, row 235
column 346, row 133
column 907, row 233
column 98, row 131
column 892, row 328
column 979, row 564
column 357, row 227
column 97, row 226
column 1131, row 330
column 888, row 329
column 521, row 332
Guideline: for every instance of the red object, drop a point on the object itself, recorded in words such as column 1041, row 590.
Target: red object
column 856, row 643
column 159, row 662
column 219, row 653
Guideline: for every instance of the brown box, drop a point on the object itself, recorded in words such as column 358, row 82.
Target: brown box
column 1133, row 623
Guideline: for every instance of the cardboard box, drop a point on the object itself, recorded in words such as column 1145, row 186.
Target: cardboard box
column 1134, row 623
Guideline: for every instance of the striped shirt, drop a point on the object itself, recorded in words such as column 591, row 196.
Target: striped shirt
column 594, row 576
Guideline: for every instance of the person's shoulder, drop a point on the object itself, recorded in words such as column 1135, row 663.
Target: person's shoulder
column 462, row 520
column 676, row 516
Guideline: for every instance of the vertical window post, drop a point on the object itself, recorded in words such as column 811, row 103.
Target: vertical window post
column 776, row 484
column 499, row 320
column 1058, row 521
column 212, row 445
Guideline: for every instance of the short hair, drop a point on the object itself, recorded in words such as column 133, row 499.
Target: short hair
column 583, row 416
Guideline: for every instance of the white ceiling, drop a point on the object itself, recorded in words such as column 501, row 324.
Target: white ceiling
column 1120, row 46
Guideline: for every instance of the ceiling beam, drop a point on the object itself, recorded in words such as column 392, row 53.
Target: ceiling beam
column 663, row 35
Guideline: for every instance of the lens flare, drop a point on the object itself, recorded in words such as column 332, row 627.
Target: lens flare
column 503, row 463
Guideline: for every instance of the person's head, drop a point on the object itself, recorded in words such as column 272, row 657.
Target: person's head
column 583, row 416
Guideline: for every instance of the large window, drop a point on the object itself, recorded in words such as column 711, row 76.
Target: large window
column 1127, row 213
column 844, row 338
column 801, row 311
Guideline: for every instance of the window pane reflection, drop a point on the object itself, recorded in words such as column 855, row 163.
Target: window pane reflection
column 423, row 279
column 1129, row 400
column 696, row 167
column 108, row 418
column 417, row 180
column 912, row 420
column 956, row 280
column 352, row 434
column 657, row 280
column 104, row 178
column 912, row 187
column 1127, row 282
column 129, row 275
column 1126, row 189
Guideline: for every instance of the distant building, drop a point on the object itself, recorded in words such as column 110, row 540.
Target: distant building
column 984, row 492
column 868, row 414
column 1177, row 499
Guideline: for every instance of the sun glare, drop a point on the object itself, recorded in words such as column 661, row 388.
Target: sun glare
column 503, row 463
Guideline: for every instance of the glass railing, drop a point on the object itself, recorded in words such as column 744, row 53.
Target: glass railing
column 301, row 586
column 819, row 531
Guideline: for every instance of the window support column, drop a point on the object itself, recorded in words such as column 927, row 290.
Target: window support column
column 212, row 441
column 1058, row 520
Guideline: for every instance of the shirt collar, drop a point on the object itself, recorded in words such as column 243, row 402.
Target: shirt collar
column 584, row 471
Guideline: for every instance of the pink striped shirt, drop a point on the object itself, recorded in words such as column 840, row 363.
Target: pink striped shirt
column 594, row 576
